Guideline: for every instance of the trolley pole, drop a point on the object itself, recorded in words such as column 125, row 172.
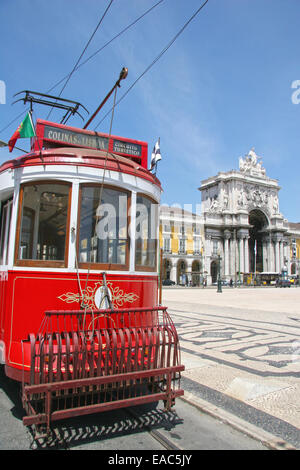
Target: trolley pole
column 123, row 75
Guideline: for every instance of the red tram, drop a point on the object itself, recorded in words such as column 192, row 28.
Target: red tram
column 80, row 322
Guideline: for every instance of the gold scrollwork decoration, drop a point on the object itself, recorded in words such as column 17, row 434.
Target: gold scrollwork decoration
column 88, row 296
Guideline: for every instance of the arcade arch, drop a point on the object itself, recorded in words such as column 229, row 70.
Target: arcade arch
column 166, row 269
column 258, row 224
column 181, row 272
column 214, row 271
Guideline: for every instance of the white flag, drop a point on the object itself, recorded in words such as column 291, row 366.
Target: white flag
column 155, row 156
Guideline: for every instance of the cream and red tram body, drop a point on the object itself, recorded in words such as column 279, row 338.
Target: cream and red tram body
column 80, row 322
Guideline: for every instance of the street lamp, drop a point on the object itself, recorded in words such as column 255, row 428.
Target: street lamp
column 219, row 274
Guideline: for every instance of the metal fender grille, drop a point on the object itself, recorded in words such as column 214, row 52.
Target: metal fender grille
column 83, row 362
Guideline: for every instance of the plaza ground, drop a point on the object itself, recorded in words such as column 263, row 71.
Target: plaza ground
column 241, row 350
column 271, row 299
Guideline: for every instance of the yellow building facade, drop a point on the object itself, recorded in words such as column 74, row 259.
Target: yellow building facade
column 181, row 242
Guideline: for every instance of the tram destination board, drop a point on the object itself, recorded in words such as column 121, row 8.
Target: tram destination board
column 127, row 147
column 56, row 135
column 69, row 137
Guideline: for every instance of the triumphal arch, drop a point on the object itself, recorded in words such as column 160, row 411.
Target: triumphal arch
column 244, row 230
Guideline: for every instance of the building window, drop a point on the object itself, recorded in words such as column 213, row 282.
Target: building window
column 197, row 245
column 167, row 245
column 103, row 227
column 182, row 245
column 215, row 247
column 146, row 233
column 43, row 224
column 196, row 229
column 4, row 234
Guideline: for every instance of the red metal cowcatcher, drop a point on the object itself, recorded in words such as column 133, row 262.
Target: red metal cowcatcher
column 84, row 362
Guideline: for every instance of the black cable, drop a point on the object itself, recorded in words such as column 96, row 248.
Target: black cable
column 90, row 57
column 155, row 60
column 14, row 120
column 85, row 48
column 106, row 44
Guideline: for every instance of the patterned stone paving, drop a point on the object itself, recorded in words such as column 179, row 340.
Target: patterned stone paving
column 240, row 345
column 246, row 345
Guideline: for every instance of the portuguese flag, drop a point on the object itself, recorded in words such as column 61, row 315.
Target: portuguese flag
column 24, row 130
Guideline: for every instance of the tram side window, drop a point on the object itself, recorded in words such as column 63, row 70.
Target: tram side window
column 103, row 227
column 6, row 211
column 43, row 224
column 146, row 233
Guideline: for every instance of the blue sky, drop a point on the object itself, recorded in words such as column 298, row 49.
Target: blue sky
column 223, row 87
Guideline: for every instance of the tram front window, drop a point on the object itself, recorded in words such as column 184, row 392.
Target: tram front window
column 43, row 225
column 103, row 227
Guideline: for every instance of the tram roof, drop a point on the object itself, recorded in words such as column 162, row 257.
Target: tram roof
column 81, row 157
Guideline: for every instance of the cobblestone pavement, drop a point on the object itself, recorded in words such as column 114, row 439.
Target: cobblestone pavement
column 241, row 350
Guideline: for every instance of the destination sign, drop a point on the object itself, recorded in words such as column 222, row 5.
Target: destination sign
column 76, row 138
column 98, row 142
column 129, row 148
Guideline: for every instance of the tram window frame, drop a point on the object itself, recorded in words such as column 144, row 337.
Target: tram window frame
column 32, row 262
column 95, row 265
column 5, row 225
column 144, row 267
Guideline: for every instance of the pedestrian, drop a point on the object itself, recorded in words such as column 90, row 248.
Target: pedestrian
column 231, row 282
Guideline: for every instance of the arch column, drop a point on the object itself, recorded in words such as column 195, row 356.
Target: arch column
column 265, row 253
column 246, row 251
column 277, row 240
column 277, row 256
column 270, row 255
column 233, row 256
column 241, row 254
column 281, row 254
column 226, row 252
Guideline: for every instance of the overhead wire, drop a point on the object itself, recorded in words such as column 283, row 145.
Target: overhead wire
column 86, row 60
column 163, row 51
column 107, row 43
column 83, row 52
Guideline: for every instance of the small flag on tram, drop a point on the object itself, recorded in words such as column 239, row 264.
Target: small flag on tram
column 155, row 156
column 25, row 129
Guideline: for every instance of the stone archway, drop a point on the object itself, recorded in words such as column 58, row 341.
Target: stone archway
column 214, row 271
column 258, row 223
column 166, row 269
column 182, row 272
column 196, row 273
